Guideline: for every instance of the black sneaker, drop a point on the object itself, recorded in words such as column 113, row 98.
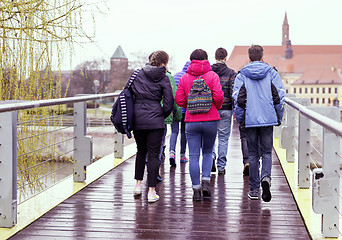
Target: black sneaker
column 221, row 171
column 197, row 194
column 213, row 168
column 172, row 161
column 266, row 193
column 159, row 178
column 206, row 189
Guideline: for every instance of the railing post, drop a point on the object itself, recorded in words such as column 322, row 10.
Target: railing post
column 8, row 169
column 326, row 186
column 304, row 146
column 288, row 134
column 118, row 145
column 304, row 149
column 83, row 144
column 277, row 129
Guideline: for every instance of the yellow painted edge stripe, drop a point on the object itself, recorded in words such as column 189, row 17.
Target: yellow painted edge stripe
column 34, row 208
column 302, row 196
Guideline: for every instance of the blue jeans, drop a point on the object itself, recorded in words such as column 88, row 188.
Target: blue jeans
column 223, row 133
column 200, row 134
column 174, row 135
column 254, row 136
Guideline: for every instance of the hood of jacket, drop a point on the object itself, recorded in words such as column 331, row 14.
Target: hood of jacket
column 220, row 68
column 199, row 67
column 186, row 66
column 155, row 74
column 256, row 70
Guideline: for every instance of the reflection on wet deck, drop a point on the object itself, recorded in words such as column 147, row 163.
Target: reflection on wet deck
column 107, row 208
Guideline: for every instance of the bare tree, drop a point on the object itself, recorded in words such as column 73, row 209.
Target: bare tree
column 35, row 36
column 140, row 58
column 85, row 74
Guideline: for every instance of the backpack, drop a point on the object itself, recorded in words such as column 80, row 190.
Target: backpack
column 122, row 115
column 199, row 97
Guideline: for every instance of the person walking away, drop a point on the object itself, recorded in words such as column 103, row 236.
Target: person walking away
column 259, row 105
column 201, row 127
column 149, row 88
column 227, row 77
column 175, row 128
column 176, row 112
column 176, row 115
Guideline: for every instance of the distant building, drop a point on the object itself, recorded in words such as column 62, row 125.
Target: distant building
column 311, row 71
column 82, row 81
column 118, row 69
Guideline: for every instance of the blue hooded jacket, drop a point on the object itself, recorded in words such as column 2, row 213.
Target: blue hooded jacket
column 259, row 96
column 180, row 74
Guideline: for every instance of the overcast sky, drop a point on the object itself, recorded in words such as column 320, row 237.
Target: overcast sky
column 180, row 26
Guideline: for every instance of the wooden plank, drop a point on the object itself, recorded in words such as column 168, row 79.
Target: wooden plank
column 107, row 208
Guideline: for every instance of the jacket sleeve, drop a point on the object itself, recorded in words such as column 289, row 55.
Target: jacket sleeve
column 216, row 91
column 231, row 82
column 177, row 111
column 240, row 98
column 278, row 95
column 167, row 98
column 181, row 96
column 176, row 108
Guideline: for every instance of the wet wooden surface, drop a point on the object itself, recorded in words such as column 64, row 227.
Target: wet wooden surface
column 107, row 209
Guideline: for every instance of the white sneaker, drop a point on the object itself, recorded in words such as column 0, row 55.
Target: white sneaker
column 152, row 197
column 137, row 190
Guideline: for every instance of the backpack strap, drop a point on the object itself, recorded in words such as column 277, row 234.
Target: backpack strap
column 132, row 78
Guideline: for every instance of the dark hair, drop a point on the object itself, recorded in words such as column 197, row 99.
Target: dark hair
column 150, row 57
column 221, row 54
column 158, row 58
column 255, row 53
column 199, row 54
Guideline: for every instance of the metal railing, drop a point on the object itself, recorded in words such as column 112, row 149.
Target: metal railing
column 311, row 136
column 74, row 131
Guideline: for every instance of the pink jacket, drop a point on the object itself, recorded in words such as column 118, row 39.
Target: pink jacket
column 198, row 68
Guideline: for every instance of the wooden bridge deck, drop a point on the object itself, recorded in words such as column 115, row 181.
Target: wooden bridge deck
column 107, row 208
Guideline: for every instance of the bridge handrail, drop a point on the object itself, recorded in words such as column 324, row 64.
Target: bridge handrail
column 8, row 107
column 323, row 182
column 82, row 146
column 328, row 123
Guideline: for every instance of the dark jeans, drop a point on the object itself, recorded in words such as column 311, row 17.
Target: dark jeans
column 174, row 135
column 262, row 136
column 244, row 148
column 148, row 144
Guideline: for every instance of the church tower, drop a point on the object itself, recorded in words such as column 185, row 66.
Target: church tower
column 286, row 31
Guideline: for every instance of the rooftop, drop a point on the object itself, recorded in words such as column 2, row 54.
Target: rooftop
column 321, row 63
column 119, row 53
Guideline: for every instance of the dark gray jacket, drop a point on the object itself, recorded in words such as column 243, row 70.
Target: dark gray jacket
column 227, row 77
column 149, row 88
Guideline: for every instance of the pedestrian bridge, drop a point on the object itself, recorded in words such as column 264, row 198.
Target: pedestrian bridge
column 96, row 200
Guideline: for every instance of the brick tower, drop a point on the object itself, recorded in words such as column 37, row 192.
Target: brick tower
column 286, row 31
column 118, row 69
